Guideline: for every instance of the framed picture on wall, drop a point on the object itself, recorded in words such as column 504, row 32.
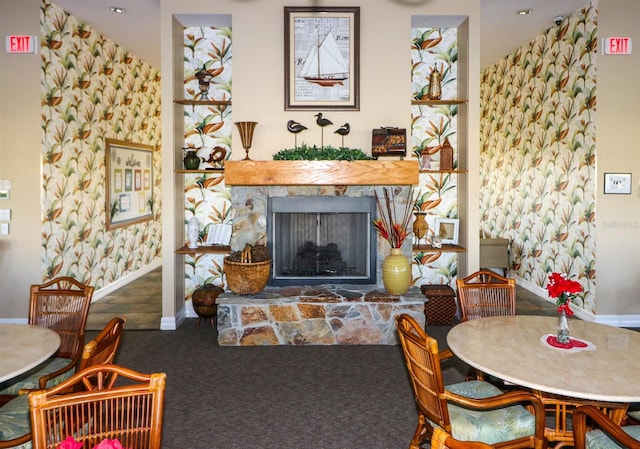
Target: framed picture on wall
column 322, row 58
column 128, row 198
column 447, row 229
column 619, row 183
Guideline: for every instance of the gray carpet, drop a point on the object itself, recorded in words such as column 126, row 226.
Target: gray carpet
column 278, row 397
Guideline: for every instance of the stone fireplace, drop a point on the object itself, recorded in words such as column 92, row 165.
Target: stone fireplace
column 326, row 309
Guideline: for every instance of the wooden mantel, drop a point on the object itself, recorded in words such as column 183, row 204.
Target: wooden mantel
column 283, row 173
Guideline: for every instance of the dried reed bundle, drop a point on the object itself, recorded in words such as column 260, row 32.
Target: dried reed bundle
column 387, row 224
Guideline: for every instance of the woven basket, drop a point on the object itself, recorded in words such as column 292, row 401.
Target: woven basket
column 246, row 278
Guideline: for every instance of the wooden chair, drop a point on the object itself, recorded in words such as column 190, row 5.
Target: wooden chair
column 115, row 403
column 485, row 293
column 15, row 425
column 469, row 411
column 62, row 305
column 560, row 411
column 442, row 440
column 594, row 429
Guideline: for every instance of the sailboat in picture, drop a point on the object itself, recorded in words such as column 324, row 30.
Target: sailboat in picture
column 325, row 65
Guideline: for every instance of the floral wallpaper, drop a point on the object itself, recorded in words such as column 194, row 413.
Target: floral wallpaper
column 92, row 89
column 432, row 127
column 538, row 155
column 207, row 130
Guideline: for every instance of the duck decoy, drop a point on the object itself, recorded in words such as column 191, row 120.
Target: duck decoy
column 343, row 131
column 295, row 127
column 322, row 122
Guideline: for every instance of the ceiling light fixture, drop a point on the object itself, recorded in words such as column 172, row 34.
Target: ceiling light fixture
column 118, row 9
column 525, row 12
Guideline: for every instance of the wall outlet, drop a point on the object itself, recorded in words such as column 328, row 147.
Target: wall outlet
column 4, row 228
column 5, row 214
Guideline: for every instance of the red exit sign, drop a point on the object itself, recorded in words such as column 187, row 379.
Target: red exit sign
column 21, row 44
column 616, row 45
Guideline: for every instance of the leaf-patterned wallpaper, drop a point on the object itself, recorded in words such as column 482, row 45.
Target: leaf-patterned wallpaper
column 431, row 127
column 92, row 89
column 537, row 161
column 207, row 128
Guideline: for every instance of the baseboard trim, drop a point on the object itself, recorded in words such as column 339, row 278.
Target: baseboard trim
column 124, row 280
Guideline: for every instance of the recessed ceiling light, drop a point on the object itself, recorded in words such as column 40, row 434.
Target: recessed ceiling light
column 118, row 9
column 525, row 12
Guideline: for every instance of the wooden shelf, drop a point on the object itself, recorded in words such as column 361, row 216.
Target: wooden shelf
column 211, row 171
column 373, row 172
column 436, row 102
column 444, row 171
column 444, row 249
column 205, row 249
column 204, row 102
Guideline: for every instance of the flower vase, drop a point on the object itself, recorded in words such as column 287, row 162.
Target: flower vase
column 563, row 328
column 420, row 226
column 396, row 272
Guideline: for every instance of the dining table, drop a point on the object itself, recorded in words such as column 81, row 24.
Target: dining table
column 603, row 365
column 24, row 346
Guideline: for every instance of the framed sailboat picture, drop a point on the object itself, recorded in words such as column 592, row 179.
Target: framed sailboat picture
column 322, row 58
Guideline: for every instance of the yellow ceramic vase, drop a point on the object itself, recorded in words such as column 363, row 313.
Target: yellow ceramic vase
column 396, row 272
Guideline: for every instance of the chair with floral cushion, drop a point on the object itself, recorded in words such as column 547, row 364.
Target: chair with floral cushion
column 469, row 411
column 63, row 306
column 592, row 429
column 442, row 440
column 15, row 425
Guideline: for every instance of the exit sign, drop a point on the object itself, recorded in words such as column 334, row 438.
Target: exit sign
column 21, row 44
column 616, row 45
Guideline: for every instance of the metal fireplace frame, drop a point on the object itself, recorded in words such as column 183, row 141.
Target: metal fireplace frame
column 323, row 204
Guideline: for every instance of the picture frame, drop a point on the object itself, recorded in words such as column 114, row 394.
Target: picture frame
column 129, row 200
column 447, row 229
column 617, row 183
column 311, row 32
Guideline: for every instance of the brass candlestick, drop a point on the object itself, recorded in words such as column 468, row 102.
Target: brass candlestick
column 246, row 134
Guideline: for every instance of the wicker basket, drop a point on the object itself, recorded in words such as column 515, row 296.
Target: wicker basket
column 246, row 278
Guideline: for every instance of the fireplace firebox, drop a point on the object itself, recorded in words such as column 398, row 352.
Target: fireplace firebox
column 321, row 240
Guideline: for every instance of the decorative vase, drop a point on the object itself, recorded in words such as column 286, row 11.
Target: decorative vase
column 563, row 328
column 203, row 300
column 194, row 232
column 191, row 160
column 420, row 226
column 435, row 87
column 396, row 272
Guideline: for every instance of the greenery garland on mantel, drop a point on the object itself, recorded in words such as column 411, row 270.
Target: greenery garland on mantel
column 326, row 153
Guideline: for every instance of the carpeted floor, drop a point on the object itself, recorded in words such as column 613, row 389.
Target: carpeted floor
column 278, row 397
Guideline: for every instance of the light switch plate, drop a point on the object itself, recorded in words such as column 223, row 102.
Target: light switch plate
column 4, row 228
column 5, row 214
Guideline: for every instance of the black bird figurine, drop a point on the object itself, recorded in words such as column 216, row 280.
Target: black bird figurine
column 343, row 131
column 322, row 122
column 295, row 127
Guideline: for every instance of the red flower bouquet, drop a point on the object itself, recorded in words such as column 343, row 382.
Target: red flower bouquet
column 563, row 290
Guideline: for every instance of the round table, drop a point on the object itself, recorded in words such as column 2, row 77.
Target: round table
column 513, row 349
column 23, row 346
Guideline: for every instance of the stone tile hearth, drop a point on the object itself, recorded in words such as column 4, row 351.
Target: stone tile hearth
column 315, row 315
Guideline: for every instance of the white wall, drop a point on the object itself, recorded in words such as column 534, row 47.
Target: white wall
column 20, row 255
column 618, row 134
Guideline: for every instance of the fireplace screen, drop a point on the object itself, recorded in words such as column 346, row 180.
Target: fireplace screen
column 321, row 239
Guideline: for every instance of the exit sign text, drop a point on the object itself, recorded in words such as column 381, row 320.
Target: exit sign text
column 616, row 45
column 21, row 44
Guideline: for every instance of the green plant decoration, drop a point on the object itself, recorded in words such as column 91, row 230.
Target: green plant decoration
column 326, row 153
